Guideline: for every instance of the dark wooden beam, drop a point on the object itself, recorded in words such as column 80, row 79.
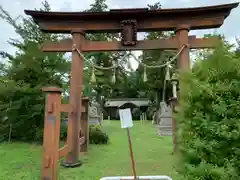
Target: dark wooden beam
column 201, row 43
column 67, row 107
column 63, row 151
column 64, row 45
column 147, row 20
column 146, row 25
column 162, row 44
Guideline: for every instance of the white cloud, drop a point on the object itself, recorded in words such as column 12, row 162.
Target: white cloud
column 186, row 1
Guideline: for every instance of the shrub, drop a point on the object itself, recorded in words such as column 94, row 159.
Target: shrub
column 63, row 131
column 97, row 135
column 208, row 121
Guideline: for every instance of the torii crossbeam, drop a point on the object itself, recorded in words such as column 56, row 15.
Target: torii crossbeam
column 128, row 22
column 163, row 44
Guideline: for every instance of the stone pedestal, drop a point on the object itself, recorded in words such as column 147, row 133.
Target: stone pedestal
column 165, row 126
column 94, row 114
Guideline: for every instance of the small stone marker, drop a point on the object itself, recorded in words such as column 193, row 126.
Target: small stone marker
column 93, row 116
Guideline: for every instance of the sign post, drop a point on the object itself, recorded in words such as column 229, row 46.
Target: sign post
column 127, row 123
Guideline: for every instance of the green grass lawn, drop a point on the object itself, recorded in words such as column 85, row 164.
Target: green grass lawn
column 152, row 156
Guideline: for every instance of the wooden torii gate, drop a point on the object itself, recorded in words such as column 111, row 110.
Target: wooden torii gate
column 128, row 22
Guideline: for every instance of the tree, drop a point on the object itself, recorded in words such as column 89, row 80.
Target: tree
column 104, row 87
column 98, row 59
column 155, row 88
column 208, row 120
column 238, row 47
column 26, row 72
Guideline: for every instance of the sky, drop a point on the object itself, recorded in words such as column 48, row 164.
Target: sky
column 16, row 7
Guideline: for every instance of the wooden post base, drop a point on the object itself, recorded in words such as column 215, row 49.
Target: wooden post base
column 66, row 164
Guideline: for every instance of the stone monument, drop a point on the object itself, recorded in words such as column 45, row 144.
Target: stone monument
column 94, row 116
column 164, row 128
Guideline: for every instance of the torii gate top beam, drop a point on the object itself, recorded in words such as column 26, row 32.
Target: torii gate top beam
column 147, row 20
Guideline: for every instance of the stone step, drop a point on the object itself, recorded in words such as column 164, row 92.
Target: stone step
column 166, row 122
column 164, row 130
column 93, row 121
column 164, row 126
column 165, row 133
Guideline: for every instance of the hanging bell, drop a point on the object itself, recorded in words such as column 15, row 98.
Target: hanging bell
column 93, row 77
column 167, row 76
column 114, row 78
column 145, row 74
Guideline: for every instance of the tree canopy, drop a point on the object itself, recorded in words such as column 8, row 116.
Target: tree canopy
column 23, row 76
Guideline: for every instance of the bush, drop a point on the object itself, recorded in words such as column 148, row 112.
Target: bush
column 97, row 136
column 208, row 121
column 63, row 131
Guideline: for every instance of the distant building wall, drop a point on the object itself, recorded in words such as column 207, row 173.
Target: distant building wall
column 137, row 106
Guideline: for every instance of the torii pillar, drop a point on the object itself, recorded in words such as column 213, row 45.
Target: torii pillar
column 74, row 116
column 183, row 64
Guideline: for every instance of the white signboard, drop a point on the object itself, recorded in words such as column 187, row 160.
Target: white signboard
column 125, row 118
